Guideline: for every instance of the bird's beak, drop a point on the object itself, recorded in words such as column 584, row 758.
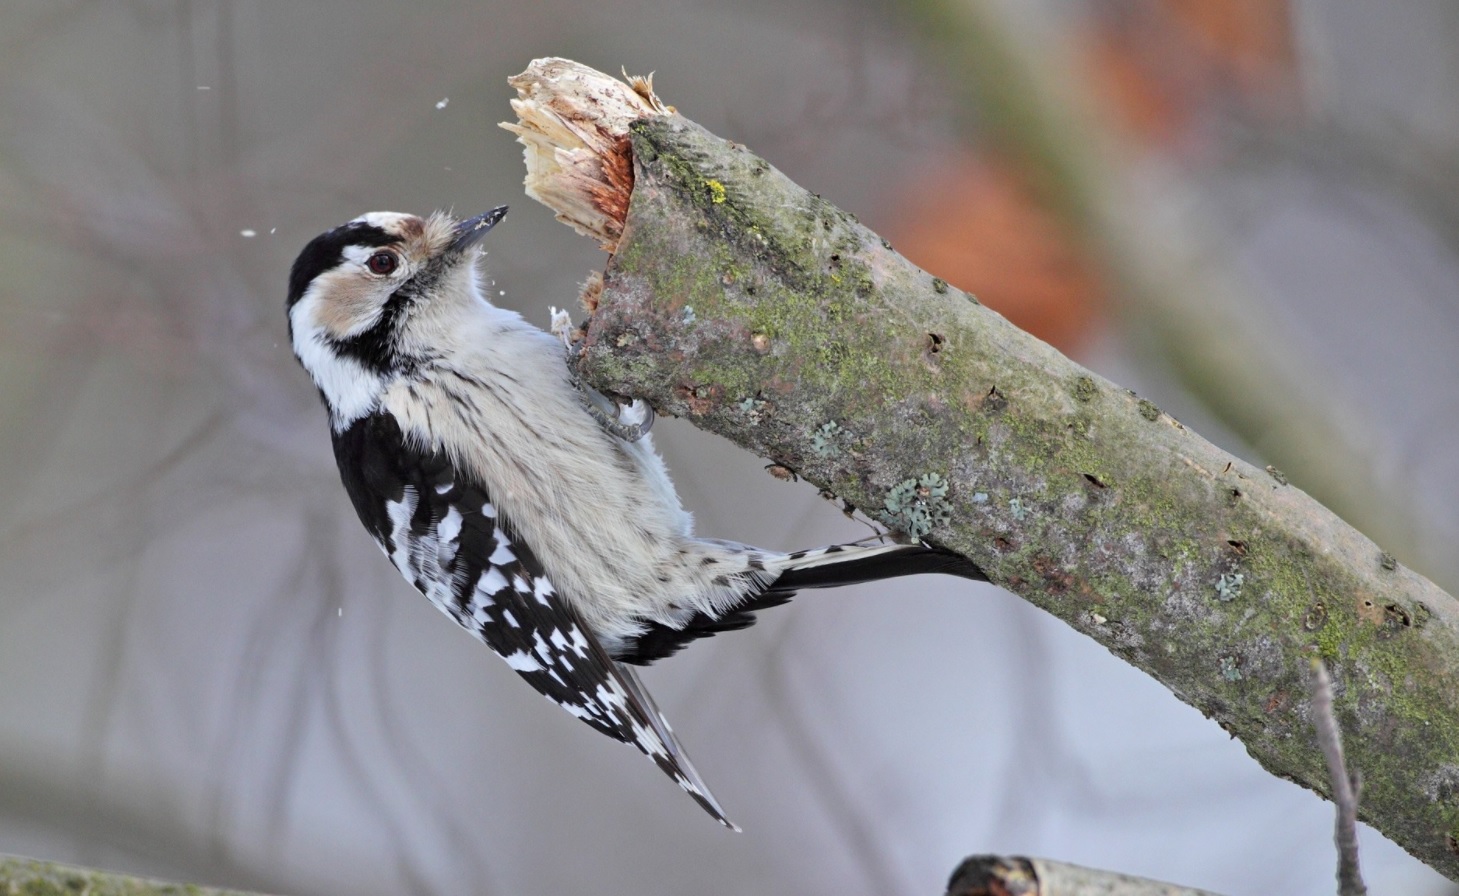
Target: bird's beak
column 470, row 231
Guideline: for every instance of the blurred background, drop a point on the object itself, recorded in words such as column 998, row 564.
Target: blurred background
column 1248, row 211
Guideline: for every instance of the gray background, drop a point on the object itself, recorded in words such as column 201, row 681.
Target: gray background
column 210, row 673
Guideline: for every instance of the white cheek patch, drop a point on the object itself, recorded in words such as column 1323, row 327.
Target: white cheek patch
column 351, row 390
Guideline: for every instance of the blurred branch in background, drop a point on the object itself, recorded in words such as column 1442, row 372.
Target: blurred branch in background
column 23, row 877
column 1021, row 876
column 1116, row 139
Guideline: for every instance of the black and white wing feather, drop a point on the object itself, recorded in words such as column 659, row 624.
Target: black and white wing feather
column 445, row 536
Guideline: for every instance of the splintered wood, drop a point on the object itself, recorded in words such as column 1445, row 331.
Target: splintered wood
column 573, row 121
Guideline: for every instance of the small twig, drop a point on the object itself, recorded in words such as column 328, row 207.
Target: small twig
column 1345, row 786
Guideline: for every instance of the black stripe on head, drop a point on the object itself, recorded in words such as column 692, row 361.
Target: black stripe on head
column 374, row 348
column 327, row 250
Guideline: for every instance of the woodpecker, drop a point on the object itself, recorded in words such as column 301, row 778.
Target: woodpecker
column 497, row 485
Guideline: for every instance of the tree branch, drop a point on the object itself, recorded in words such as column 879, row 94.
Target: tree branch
column 1218, row 333
column 759, row 311
column 28, row 876
column 1020, row 876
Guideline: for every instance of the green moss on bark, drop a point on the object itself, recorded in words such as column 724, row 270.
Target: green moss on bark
column 26, row 877
column 1218, row 578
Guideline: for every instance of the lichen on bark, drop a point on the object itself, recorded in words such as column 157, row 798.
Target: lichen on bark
column 27, row 877
column 757, row 310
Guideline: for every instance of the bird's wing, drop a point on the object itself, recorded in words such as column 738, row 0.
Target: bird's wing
column 445, row 536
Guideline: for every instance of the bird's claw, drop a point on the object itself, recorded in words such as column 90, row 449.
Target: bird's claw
column 595, row 402
column 561, row 325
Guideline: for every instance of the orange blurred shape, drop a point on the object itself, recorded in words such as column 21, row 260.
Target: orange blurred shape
column 1158, row 66
column 976, row 224
column 1157, row 69
column 1248, row 42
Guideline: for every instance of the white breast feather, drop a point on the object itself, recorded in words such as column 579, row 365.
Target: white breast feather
column 600, row 514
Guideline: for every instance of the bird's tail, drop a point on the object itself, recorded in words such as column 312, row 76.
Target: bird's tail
column 780, row 576
column 858, row 562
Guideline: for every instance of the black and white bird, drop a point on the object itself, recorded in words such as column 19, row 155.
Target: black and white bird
column 497, row 486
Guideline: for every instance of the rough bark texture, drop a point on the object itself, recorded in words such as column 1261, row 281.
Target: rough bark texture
column 1019, row 876
column 1216, row 330
column 25, row 877
column 759, row 311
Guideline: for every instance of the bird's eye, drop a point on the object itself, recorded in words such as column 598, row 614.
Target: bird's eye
column 382, row 263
